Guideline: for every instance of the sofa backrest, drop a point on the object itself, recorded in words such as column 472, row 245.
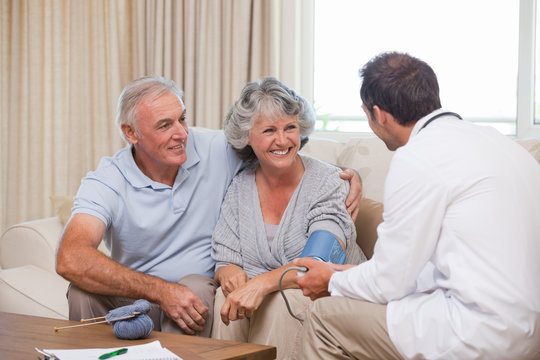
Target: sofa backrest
column 369, row 156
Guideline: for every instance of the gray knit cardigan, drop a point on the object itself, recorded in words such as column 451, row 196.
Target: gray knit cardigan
column 318, row 203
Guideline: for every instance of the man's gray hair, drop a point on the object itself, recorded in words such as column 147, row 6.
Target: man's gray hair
column 268, row 97
column 146, row 87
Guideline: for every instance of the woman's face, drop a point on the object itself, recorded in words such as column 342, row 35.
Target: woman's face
column 275, row 141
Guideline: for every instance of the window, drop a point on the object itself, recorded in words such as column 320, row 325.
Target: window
column 474, row 48
column 537, row 64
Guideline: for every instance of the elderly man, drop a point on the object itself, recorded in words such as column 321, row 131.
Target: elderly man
column 454, row 274
column 155, row 203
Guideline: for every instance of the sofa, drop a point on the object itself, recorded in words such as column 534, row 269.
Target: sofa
column 30, row 285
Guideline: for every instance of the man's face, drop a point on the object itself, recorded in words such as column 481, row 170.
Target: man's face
column 373, row 124
column 381, row 131
column 161, row 143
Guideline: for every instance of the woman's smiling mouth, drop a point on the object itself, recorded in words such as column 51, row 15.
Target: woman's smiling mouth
column 280, row 152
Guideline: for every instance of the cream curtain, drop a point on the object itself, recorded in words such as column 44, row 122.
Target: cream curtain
column 63, row 64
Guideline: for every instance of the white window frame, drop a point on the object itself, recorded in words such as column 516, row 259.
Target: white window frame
column 295, row 25
column 526, row 70
column 304, row 65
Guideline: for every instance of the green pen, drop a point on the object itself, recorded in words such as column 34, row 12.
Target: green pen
column 114, row 353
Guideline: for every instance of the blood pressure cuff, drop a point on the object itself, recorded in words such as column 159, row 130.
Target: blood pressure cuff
column 324, row 246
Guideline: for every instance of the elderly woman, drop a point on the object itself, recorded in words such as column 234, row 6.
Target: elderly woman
column 270, row 210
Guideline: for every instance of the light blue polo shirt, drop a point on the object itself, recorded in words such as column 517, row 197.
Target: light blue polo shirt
column 155, row 228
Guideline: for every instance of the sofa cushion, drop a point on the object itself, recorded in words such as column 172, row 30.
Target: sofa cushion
column 369, row 217
column 371, row 158
column 33, row 291
column 532, row 146
column 323, row 149
column 367, row 155
column 62, row 207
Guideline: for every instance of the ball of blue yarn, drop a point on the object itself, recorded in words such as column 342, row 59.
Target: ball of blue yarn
column 138, row 327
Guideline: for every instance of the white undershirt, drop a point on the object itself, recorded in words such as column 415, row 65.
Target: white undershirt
column 271, row 230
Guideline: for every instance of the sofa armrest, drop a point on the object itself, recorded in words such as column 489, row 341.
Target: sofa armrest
column 33, row 291
column 368, row 219
column 31, row 243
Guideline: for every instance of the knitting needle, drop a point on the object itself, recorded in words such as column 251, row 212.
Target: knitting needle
column 97, row 322
column 102, row 317
column 92, row 319
column 46, row 355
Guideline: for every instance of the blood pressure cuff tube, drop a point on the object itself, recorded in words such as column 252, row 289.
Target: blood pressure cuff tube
column 324, row 246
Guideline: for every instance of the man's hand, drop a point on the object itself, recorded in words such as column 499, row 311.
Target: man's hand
column 80, row 262
column 355, row 193
column 242, row 302
column 315, row 282
column 180, row 304
column 230, row 277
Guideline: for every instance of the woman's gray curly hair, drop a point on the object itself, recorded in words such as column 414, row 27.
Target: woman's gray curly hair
column 270, row 97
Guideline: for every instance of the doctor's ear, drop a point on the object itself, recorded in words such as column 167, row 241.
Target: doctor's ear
column 377, row 113
column 382, row 116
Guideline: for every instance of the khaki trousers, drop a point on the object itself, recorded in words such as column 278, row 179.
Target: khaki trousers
column 271, row 324
column 84, row 305
column 342, row 328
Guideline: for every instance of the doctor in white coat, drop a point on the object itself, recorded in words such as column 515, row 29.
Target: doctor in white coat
column 455, row 269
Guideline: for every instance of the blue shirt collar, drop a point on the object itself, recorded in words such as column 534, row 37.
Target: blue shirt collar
column 134, row 175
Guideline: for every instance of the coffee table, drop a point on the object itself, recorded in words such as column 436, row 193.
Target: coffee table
column 20, row 334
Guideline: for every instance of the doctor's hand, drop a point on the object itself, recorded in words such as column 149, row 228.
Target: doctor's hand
column 315, row 282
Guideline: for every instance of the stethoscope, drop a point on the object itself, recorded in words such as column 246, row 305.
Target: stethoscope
column 438, row 116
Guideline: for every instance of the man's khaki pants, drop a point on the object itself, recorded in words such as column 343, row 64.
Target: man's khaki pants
column 342, row 328
column 84, row 305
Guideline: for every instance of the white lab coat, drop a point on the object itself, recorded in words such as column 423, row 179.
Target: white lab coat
column 458, row 254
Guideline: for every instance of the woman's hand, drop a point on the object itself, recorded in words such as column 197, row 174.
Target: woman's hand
column 230, row 277
column 355, row 193
column 242, row 302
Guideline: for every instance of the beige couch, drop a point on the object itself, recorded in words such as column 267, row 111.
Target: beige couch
column 30, row 285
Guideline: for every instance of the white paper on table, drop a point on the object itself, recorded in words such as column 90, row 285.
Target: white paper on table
column 148, row 351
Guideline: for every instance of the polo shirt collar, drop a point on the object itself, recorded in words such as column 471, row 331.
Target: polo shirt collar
column 191, row 151
column 134, row 175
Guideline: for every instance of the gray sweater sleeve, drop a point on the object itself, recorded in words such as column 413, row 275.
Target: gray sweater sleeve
column 327, row 210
